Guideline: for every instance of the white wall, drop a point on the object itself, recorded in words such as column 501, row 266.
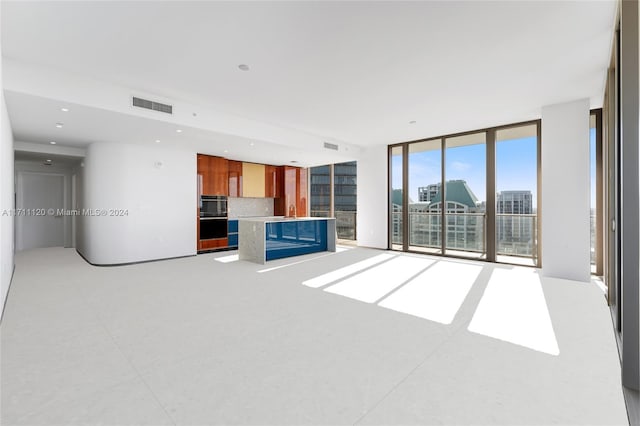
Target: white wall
column 373, row 207
column 565, row 191
column 6, row 196
column 157, row 189
column 79, row 203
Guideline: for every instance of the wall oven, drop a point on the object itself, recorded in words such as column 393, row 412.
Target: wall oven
column 213, row 227
column 213, row 217
column 213, row 206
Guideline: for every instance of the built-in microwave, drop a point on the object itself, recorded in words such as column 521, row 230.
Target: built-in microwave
column 213, row 206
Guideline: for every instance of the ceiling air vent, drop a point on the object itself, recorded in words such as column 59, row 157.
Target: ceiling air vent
column 155, row 106
column 331, row 146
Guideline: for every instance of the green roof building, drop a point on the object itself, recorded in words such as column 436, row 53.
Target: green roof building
column 458, row 192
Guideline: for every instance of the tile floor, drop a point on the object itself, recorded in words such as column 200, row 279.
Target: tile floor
column 346, row 338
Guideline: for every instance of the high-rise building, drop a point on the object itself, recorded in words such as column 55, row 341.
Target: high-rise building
column 515, row 223
column 515, row 202
column 320, row 190
column 344, row 196
column 427, row 193
column 345, row 186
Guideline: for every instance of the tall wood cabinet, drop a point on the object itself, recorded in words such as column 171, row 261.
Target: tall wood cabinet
column 213, row 175
column 235, row 178
column 293, row 199
column 213, row 179
column 273, row 182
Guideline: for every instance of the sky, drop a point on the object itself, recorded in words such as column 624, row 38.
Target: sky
column 515, row 167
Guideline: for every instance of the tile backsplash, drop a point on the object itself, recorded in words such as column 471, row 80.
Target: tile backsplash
column 243, row 207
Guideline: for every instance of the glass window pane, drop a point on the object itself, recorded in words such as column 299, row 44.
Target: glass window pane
column 320, row 191
column 465, row 193
column 425, row 175
column 345, row 199
column 516, row 198
column 592, row 163
column 396, row 198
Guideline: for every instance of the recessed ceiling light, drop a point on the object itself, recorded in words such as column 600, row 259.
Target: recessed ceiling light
column 178, row 130
column 243, row 67
column 412, row 122
column 48, row 161
column 53, row 142
column 251, row 144
column 64, row 109
column 59, row 125
column 157, row 140
column 226, row 150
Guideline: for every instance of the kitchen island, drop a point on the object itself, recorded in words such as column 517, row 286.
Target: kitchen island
column 261, row 239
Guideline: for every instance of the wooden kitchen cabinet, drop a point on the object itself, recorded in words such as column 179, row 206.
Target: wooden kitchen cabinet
column 213, row 175
column 235, row 178
column 253, row 180
column 272, row 181
column 212, row 244
column 293, row 200
column 301, row 193
column 219, row 172
column 202, row 167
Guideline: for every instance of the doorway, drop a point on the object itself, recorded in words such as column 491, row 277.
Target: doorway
column 39, row 210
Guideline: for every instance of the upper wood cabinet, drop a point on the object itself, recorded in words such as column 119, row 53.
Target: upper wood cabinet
column 235, row 178
column 253, row 176
column 213, row 176
column 301, row 193
column 272, row 181
column 293, row 201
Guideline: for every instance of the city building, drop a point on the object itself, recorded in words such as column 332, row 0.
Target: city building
column 516, row 223
column 464, row 218
column 344, row 195
column 427, row 193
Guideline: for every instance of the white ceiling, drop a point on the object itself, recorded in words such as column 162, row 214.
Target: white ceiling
column 354, row 72
column 33, row 120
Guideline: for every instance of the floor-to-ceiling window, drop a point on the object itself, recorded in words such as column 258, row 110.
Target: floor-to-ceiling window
column 596, row 207
column 424, row 181
column 320, row 189
column 334, row 194
column 439, row 194
column 396, row 174
column 465, row 195
column 345, row 186
column 516, row 194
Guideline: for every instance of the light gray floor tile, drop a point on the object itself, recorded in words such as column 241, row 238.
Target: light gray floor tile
column 198, row 341
column 126, row 403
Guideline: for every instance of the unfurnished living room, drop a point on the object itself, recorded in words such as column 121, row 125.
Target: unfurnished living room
column 319, row 212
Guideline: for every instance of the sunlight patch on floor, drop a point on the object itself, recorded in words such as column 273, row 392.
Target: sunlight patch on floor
column 338, row 274
column 227, row 259
column 374, row 283
column 437, row 293
column 513, row 309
